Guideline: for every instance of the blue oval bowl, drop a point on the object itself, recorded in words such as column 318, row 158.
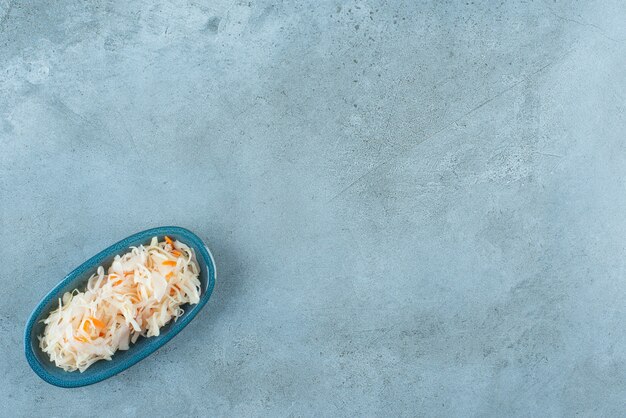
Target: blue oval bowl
column 122, row 360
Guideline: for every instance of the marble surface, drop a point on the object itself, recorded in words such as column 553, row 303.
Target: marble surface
column 416, row 207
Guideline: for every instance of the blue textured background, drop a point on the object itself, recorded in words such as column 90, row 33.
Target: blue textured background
column 416, row 208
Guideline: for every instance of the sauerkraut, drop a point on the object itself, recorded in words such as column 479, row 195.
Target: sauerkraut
column 140, row 292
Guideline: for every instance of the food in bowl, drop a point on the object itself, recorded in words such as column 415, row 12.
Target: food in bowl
column 141, row 291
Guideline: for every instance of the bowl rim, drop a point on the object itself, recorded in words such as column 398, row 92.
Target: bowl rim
column 154, row 345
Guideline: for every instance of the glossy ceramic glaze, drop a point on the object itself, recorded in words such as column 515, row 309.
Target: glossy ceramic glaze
column 121, row 360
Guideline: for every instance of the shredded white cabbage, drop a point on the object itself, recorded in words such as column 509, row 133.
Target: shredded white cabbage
column 141, row 292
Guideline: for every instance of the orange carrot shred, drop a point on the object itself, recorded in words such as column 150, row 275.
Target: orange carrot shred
column 128, row 273
column 176, row 253
column 80, row 338
column 169, row 263
column 170, row 274
column 97, row 323
column 169, row 241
